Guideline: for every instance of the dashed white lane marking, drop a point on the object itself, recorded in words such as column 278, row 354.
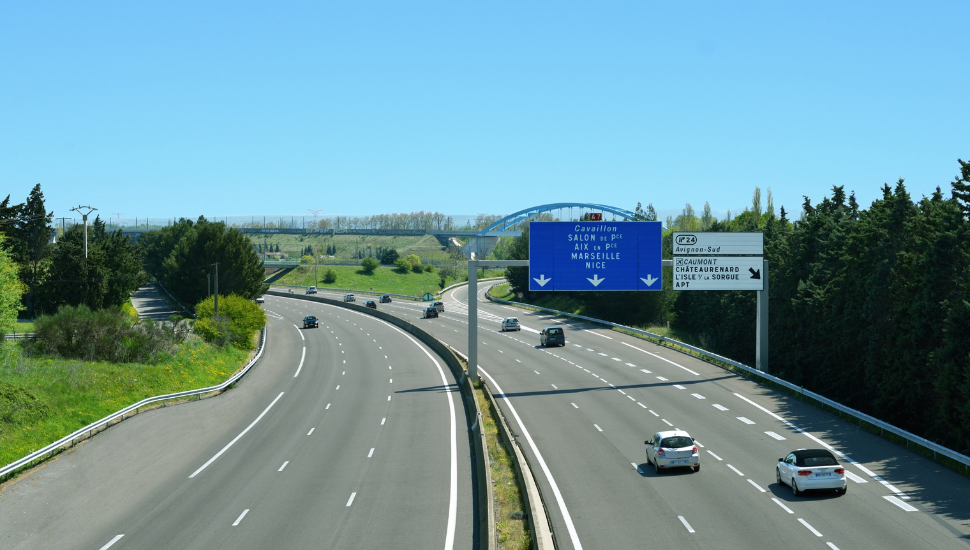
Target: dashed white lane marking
column 832, row 546
column 598, row 334
column 371, row 453
column 302, row 357
column 653, row 413
column 300, row 332
column 641, row 404
column 535, row 371
column 597, row 427
column 338, row 387
column 553, row 385
column 621, row 391
column 776, row 436
column 351, row 499
column 391, row 381
column 735, row 470
column 756, row 486
column 714, row 455
column 630, row 365
column 242, row 515
column 645, row 371
column 783, row 507
column 388, row 397
column 383, row 420
column 590, row 349
column 390, row 367
column 631, row 398
column 809, row 527
column 500, row 351
column 616, row 358
column 687, row 525
column 311, row 431
column 112, row 541
column 283, row 466
column 661, row 358
column 745, row 420
column 637, row 468
column 854, row 477
column 900, row 503
column 667, row 423
column 698, row 443
column 226, row 448
column 603, row 354
column 574, row 405
column 327, row 407
column 679, row 387
column 699, row 396
column 661, row 378
column 517, row 361
column 719, row 407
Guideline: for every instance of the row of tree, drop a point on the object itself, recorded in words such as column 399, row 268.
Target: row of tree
column 869, row 307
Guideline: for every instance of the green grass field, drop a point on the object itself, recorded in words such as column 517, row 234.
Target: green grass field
column 383, row 279
column 426, row 247
column 43, row 399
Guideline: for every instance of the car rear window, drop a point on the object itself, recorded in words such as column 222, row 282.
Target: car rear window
column 818, row 461
column 513, row 320
column 676, row 442
column 556, row 331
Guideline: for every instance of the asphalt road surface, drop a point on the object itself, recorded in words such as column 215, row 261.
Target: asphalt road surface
column 351, row 435
column 583, row 411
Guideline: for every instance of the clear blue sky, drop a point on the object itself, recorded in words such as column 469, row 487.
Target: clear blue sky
column 238, row 108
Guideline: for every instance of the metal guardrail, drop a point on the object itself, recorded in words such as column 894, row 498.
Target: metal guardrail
column 107, row 421
column 936, row 448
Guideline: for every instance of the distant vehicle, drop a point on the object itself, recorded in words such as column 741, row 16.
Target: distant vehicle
column 510, row 323
column 439, row 307
column 385, row 299
column 429, row 312
column 371, row 304
column 809, row 469
column 349, row 298
column 311, row 290
column 552, row 336
column 673, row 449
column 310, row 322
column 260, row 300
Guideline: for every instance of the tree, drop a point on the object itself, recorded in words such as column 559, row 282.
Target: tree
column 518, row 277
column 369, row 265
column 403, row 265
column 11, row 289
column 389, row 256
column 238, row 320
column 31, row 243
column 330, row 276
column 307, row 259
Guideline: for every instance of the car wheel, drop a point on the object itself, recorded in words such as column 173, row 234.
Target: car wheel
column 697, row 468
column 794, row 487
column 656, row 468
column 778, row 476
column 842, row 491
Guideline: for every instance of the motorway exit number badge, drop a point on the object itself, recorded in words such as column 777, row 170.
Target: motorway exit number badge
column 595, row 256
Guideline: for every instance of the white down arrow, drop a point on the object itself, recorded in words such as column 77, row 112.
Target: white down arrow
column 649, row 280
column 542, row 280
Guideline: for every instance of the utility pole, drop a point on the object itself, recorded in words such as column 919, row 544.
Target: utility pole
column 84, row 215
column 217, row 287
column 63, row 228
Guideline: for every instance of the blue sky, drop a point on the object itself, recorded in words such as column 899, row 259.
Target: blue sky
column 234, row 108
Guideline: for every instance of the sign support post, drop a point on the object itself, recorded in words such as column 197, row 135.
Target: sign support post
column 761, row 347
column 473, row 266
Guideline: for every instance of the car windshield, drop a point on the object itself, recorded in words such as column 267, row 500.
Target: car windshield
column 311, row 319
column 555, row 331
column 676, row 442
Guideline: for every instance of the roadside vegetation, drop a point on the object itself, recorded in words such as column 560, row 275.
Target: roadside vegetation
column 381, row 279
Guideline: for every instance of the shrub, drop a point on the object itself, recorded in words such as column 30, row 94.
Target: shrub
column 413, row 259
column 330, row 276
column 417, row 268
column 389, row 257
column 369, row 265
column 306, row 259
column 403, row 266
column 238, row 319
column 429, row 268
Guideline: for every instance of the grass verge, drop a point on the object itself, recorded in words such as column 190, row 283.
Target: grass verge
column 511, row 524
column 42, row 398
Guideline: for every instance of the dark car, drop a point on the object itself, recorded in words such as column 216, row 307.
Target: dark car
column 552, row 336
column 310, row 322
column 371, row 304
column 385, row 299
column 430, row 312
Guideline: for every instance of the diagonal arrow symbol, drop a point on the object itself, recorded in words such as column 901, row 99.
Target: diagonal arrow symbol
column 542, row 280
column 755, row 274
column 650, row 279
column 595, row 280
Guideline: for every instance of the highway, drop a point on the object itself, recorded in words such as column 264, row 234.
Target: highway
column 351, row 435
column 583, row 411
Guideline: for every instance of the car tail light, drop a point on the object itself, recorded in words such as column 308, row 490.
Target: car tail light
column 661, row 453
column 804, row 472
column 840, row 470
column 695, row 450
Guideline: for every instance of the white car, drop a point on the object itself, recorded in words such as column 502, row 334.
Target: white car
column 260, row 300
column 809, row 469
column 349, row 298
column 311, row 290
column 510, row 323
column 673, row 449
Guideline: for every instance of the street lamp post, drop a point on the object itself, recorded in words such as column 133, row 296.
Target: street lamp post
column 84, row 215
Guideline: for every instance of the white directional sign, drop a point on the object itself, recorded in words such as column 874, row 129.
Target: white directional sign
column 718, row 273
column 730, row 244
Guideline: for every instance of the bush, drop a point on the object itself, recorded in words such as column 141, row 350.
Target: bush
column 369, row 265
column 429, row 268
column 330, row 276
column 307, row 259
column 389, row 257
column 417, row 268
column 238, row 319
column 403, row 266
column 77, row 332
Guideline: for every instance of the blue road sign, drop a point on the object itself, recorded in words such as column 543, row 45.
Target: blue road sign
column 595, row 256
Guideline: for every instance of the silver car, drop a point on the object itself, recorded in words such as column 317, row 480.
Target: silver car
column 510, row 323
column 673, row 449
column 809, row 469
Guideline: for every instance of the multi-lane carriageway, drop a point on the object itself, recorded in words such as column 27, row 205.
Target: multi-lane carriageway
column 582, row 412
column 310, row 451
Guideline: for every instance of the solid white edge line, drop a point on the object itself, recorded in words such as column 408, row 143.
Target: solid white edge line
column 226, row 448
column 112, row 541
column 567, row 519
column 661, row 358
column 241, row 516
column 302, row 357
column 351, row 499
column 300, row 332
column 905, row 506
column 687, row 525
column 810, row 528
column 783, row 507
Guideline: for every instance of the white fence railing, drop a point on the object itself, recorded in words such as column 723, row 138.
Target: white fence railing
column 936, row 448
column 90, row 429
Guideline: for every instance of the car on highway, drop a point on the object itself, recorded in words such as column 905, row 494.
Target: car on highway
column 510, row 323
column 371, row 304
column 311, row 290
column 349, row 298
column 673, row 449
column 430, row 312
column 260, row 300
column 310, row 322
column 811, row 469
column 439, row 307
column 385, row 299
column 552, row 336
